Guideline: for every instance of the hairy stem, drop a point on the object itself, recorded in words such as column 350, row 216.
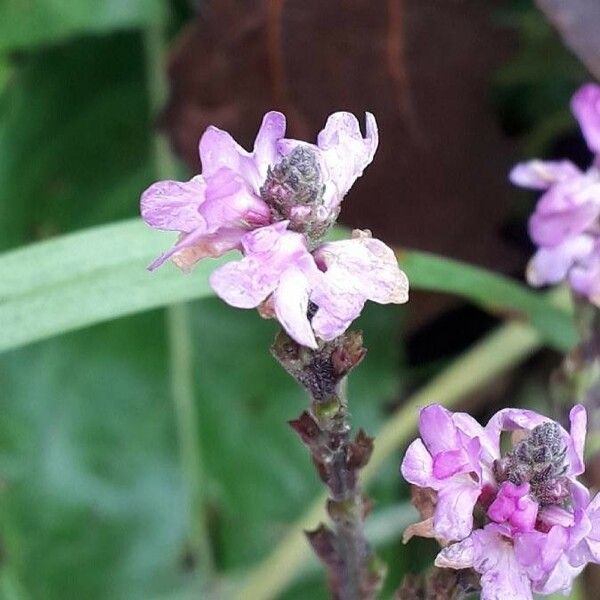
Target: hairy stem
column 353, row 571
column 497, row 352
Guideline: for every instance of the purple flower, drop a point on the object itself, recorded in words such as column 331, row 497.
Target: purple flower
column 275, row 206
column 541, row 529
column 447, row 458
column 566, row 223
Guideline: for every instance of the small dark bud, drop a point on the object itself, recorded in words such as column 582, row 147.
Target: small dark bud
column 349, row 354
column 306, row 427
column 322, row 541
column 360, row 451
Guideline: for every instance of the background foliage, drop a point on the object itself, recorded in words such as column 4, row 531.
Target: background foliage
column 95, row 499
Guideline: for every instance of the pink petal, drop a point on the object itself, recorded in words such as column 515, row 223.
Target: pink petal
column 345, row 152
column 453, row 519
column 437, row 429
column 270, row 251
column 540, row 174
column 446, row 464
column 186, row 254
column 502, row 578
column 457, row 556
column 584, row 277
column 271, row 131
column 576, row 443
column 553, row 228
column 512, row 419
column 551, row 265
column 356, row 270
column 173, row 205
column 219, row 150
column 290, row 300
column 417, row 465
column 229, row 202
column 585, row 105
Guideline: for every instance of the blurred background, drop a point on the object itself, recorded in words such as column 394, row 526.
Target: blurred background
column 99, row 498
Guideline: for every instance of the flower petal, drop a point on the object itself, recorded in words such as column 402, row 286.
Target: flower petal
column 417, row 465
column 584, row 277
column 585, row 105
column 437, row 429
column 229, row 203
column 173, row 205
column 511, row 419
column 356, row 270
column 457, row 556
column 271, row 131
column 553, row 228
column 453, row 519
column 192, row 247
column 502, row 578
column 541, row 174
column 551, row 265
column 345, row 152
column 576, row 441
column 290, row 301
column 219, row 150
column 270, row 251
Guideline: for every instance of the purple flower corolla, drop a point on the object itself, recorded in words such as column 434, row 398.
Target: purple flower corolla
column 541, row 529
column 448, row 459
column 274, row 205
column 566, row 223
column 514, row 505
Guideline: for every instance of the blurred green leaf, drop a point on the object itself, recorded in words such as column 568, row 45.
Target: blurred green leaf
column 75, row 138
column 92, row 502
column 85, row 278
column 27, row 23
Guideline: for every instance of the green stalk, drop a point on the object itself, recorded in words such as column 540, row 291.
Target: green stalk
column 179, row 334
column 496, row 353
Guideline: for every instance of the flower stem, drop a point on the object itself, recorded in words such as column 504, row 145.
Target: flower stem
column 179, row 334
column 353, row 571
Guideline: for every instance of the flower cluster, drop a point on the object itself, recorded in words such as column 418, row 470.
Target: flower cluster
column 275, row 205
column 520, row 517
column 566, row 223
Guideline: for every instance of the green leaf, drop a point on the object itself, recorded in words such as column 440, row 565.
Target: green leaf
column 92, row 498
column 495, row 293
column 27, row 23
column 84, row 278
column 75, row 138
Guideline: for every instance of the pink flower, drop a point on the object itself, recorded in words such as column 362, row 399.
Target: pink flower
column 541, row 529
column 565, row 224
column 447, row 458
column 275, row 205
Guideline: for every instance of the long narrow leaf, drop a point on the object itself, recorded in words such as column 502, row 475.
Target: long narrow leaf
column 84, row 278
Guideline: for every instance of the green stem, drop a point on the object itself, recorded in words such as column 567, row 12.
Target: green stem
column 179, row 333
column 496, row 353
